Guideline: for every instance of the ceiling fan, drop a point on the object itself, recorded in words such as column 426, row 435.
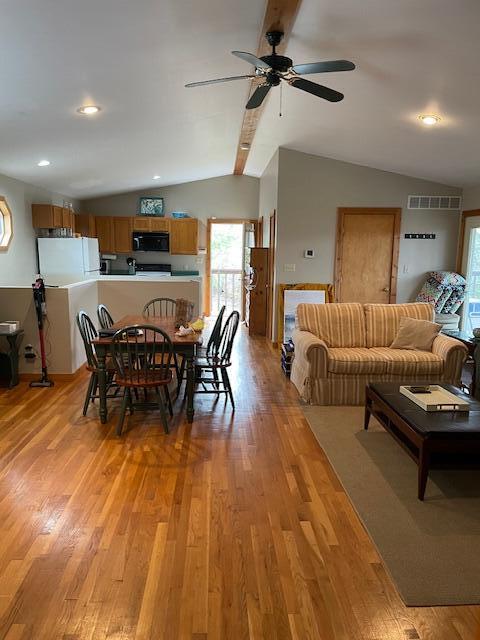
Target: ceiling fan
column 275, row 68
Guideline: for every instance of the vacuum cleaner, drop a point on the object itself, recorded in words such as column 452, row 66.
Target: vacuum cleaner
column 40, row 307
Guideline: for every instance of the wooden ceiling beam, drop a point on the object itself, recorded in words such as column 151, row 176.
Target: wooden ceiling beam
column 279, row 16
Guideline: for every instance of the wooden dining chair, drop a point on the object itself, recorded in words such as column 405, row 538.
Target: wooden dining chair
column 88, row 333
column 142, row 356
column 217, row 360
column 104, row 317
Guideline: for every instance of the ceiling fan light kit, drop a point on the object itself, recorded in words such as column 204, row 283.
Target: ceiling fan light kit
column 274, row 68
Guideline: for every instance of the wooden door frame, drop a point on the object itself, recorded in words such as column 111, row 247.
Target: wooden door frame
column 471, row 213
column 208, row 258
column 272, row 230
column 381, row 211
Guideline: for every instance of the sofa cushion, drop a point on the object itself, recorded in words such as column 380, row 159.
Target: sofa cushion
column 355, row 361
column 337, row 324
column 417, row 335
column 382, row 320
column 409, row 363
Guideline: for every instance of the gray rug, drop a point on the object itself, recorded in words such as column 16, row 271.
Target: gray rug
column 432, row 548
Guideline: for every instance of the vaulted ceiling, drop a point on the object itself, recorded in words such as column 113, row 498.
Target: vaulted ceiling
column 133, row 59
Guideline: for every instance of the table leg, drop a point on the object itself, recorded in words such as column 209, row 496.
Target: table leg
column 190, row 386
column 368, row 410
column 423, row 465
column 102, row 383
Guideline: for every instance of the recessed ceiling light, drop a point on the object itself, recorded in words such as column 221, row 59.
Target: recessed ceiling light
column 88, row 110
column 245, row 146
column 429, row 119
column 157, row 177
column 43, row 163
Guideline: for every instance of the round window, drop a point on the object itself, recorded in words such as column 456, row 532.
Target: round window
column 5, row 224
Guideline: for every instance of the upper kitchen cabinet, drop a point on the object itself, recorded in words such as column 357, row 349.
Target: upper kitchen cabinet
column 184, row 236
column 85, row 225
column 105, row 233
column 50, row 216
column 146, row 223
column 122, row 234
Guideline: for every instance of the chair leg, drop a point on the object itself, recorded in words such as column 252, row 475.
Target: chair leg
column 94, row 386
column 169, row 401
column 130, row 403
column 215, row 377
column 89, row 394
column 180, row 376
column 123, row 409
column 228, row 386
column 163, row 413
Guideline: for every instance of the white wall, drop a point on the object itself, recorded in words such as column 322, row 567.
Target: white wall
column 268, row 195
column 311, row 188
column 222, row 197
column 471, row 198
column 18, row 265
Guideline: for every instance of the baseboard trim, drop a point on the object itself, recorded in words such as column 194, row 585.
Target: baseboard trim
column 59, row 377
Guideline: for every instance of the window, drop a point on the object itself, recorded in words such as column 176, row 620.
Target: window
column 5, row 225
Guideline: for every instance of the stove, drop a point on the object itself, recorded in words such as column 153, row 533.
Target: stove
column 153, row 269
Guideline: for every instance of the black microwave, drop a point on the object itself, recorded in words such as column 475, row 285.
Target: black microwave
column 149, row 241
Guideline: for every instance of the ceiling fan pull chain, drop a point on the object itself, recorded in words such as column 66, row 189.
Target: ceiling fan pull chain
column 281, row 95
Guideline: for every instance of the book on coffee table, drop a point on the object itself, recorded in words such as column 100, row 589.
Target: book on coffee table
column 437, row 399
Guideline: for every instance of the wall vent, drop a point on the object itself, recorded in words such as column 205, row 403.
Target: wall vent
column 435, row 202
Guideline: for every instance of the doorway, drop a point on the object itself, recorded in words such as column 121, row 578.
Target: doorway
column 366, row 260
column 228, row 259
column 470, row 267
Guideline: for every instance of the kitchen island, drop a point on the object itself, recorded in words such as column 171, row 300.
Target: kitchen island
column 123, row 295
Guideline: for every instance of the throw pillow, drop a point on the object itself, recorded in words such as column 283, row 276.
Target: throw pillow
column 417, row 335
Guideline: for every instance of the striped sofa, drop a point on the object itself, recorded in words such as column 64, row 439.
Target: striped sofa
column 340, row 347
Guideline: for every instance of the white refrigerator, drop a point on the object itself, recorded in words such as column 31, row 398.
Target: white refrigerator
column 63, row 260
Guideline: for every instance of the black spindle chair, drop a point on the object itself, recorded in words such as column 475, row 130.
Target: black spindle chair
column 142, row 356
column 164, row 308
column 88, row 333
column 160, row 307
column 213, row 339
column 218, row 358
column 104, row 317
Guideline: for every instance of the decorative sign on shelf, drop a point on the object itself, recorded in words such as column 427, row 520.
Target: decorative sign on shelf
column 420, row 236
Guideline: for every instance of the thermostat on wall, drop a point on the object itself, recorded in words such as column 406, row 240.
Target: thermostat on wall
column 309, row 253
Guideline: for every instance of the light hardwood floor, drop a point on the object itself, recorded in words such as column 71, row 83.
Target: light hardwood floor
column 233, row 528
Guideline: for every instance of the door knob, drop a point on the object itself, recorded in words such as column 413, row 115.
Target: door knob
column 386, row 289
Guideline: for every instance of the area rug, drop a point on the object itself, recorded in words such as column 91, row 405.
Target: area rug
column 431, row 549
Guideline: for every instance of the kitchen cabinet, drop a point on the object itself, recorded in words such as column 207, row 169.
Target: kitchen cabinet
column 68, row 219
column 49, row 216
column 85, row 225
column 147, row 223
column 184, row 236
column 105, row 233
column 122, row 234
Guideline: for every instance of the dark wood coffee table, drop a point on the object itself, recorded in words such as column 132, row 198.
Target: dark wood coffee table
column 424, row 434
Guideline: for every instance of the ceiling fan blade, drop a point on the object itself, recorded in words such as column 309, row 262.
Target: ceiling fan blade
column 316, row 89
column 249, row 57
column 258, row 96
column 324, row 67
column 205, row 82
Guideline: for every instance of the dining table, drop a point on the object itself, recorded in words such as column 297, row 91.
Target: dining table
column 185, row 346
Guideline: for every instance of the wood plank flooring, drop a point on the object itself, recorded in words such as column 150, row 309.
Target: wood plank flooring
column 232, row 528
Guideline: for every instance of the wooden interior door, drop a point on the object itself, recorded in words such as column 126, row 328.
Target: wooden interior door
column 366, row 262
column 257, row 295
column 271, row 274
